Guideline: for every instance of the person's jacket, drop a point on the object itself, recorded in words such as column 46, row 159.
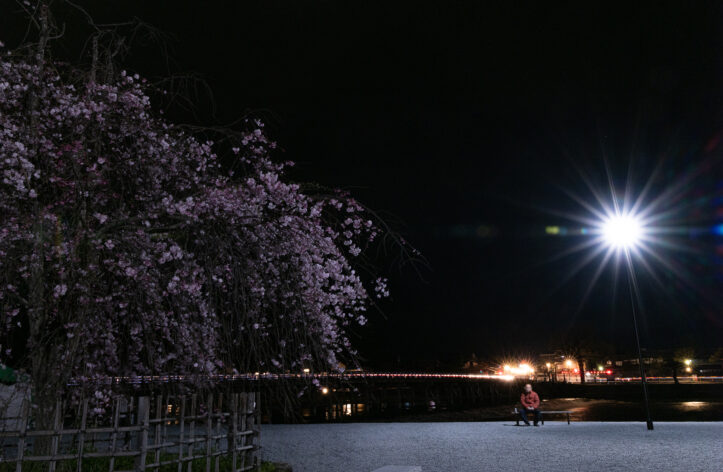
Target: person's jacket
column 530, row 400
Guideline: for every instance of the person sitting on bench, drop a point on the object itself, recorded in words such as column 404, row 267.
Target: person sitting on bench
column 530, row 404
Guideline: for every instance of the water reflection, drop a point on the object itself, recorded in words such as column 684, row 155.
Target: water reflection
column 582, row 410
column 695, row 404
column 616, row 410
column 337, row 412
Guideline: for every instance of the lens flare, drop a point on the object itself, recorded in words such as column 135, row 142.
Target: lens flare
column 622, row 231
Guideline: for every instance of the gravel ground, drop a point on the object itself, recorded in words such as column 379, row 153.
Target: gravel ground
column 498, row 446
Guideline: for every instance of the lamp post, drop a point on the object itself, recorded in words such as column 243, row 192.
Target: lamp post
column 623, row 232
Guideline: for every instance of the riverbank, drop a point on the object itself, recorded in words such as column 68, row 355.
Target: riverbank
column 498, row 446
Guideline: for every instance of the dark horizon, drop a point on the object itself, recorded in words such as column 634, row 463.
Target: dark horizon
column 468, row 127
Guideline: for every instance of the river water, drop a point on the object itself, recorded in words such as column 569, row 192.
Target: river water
column 615, row 410
column 583, row 409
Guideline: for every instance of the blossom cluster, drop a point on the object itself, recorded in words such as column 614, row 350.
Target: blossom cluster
column 129, row 247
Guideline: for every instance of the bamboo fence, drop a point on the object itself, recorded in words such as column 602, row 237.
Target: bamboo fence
column 155, row 431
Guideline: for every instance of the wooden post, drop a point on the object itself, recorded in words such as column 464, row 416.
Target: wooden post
column 209, row 430
column 81, row 434
column 191, row 432
column 256, row 405
column 216, row 443
column 143, row 422
column 182, row 425
column 114, row 434
column 56, row 433
column 244, row 423
column 166, row 418
column 231, row 442
column 131, row 416
column 157, row 433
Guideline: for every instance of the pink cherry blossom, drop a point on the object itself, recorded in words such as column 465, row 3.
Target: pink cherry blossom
column 132, row 249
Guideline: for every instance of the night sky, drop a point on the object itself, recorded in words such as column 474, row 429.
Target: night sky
column 467, row 124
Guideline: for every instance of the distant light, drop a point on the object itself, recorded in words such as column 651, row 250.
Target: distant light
column 718, row 229
column 622, row 231
column 568, row 363
column 600, row 368
column 524, row 369
column 688, row 369
column 547, row 365
column 552, row 230
column 324, row 390
column 306, row 371
column 688, row 361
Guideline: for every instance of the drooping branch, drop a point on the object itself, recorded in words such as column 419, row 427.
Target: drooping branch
column 149, row 245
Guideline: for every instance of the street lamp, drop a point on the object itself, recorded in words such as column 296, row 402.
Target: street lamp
column 623, row 232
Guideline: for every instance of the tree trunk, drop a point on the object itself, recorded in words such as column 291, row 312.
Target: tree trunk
column 581, row 368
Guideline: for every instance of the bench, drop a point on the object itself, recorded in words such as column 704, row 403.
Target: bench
column 516, row 412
